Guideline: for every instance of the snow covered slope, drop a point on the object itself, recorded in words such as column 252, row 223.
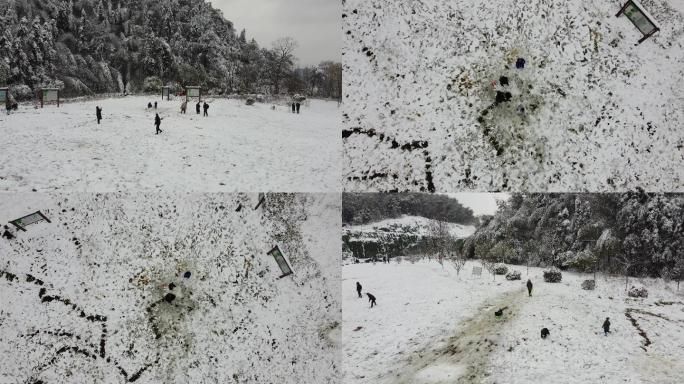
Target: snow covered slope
column 238, row 148
column 414, row 225
column 431, row 326
column 83, row 297
column 600, row 114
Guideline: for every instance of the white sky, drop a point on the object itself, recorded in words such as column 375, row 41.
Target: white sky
column 315, row 24
column 480, row 203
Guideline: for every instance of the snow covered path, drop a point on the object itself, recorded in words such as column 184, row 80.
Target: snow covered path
column 430, row 327
column 238, row 148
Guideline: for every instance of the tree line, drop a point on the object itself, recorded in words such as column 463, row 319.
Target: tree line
column 362, row 208
column 635, row 234
column 113, row 46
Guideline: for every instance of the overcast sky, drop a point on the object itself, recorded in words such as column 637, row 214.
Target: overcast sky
column 315, row 24
column 480, row 203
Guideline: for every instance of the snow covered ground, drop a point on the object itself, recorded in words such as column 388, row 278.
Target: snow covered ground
column 431, row 326
column 83, row 296
column 600, row 114
column 238, row 148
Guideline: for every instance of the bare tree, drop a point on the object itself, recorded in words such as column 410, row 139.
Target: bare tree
column 456, row 255
column 282, row 61
column 439, row 240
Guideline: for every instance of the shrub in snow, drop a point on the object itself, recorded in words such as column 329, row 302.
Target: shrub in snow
column 553, row 276
column 637, row 292
column 21, row 92
column 500, row 270
column 260, row 98
column 250, row 101
column 513, row 275
column 152, row 84
column 589, row 285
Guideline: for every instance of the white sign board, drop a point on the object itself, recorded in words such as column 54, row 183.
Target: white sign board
column 193, row 92
column 3, row 95
column 27, row 220
column 50, row 95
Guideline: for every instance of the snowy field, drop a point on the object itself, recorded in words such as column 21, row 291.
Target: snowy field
column 431, row 326
column 598, row 113
column 83, row 297
column 238, row 148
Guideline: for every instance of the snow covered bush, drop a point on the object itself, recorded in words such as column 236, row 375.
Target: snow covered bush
column 589, row 285
column 553, row 276
column 249, row 101
column 21, row 92
column 152, row 84
column 500, row 270
column 513, row 275
column 637, row 292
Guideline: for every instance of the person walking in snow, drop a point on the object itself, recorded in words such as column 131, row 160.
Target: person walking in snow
column 293, row 107
column 298, row 105
column 184, row 107
column 529, row 287
column 371, row 299
column 98, row 113
column 157, row 123
column 197, row 107
column 606, row 326
column 358, row 289
column 206, row 109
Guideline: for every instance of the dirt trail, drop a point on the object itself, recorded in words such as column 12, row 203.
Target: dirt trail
column 465, row 355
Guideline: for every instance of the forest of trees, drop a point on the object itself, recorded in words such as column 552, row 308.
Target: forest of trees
column 635, row 234
column 362, row 208
column 112, row 46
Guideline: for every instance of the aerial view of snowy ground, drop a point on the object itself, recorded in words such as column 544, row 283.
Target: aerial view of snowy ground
column 432, row 326
column 153, row 288
column 238, row 148
column 548, row 95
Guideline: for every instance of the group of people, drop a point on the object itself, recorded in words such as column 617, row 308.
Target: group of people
column 295, row 106
column 157, row 118
column 198, row 108
column 371, row 297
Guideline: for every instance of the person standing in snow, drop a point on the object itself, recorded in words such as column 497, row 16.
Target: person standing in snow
column 197, row 107
column 371, row 299
column 606, row 326
column 529, row 287
column 358, row 289
column 298, row 105
column 293, row 107
column 155, row 105
column 98, row 113
column 206, row 109
column 184, row 107
column 157, row 123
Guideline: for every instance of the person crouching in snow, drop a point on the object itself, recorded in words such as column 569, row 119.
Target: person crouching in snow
column 606, row 326
column 371, row 299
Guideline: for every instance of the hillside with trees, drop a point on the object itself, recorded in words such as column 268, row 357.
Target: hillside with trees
column 636, row 234
column 115, row 46
column 362, row 208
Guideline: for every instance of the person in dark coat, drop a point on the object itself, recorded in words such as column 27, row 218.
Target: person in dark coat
column 157, row 123
column 606, row 326
column 298, row 105
column 544, row 333
column 371, row 299
column 358, row 289
column 206, row 109
column 293, row 107
column 149, row 105
column 197, row 107
column 529, row 287
column 155, row 105
column 98, row 113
